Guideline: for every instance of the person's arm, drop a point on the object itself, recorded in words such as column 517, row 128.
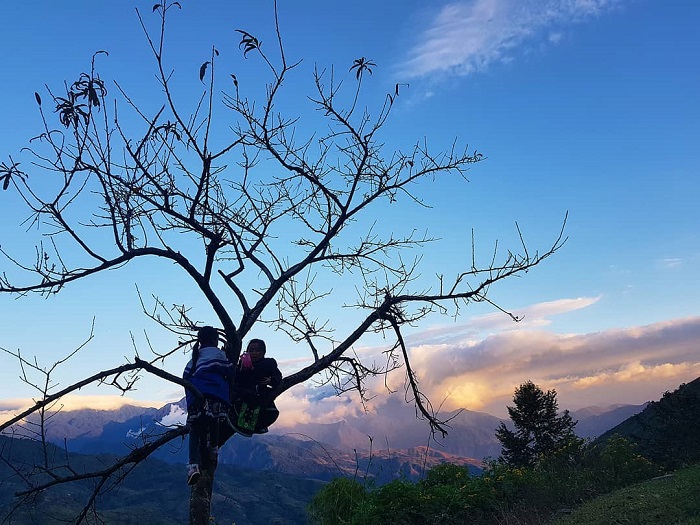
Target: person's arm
column 275, row 375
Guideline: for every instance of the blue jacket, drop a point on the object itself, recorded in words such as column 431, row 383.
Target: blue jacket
column 211, row 375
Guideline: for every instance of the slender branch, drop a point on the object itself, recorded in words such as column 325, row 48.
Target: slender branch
column 99, row 377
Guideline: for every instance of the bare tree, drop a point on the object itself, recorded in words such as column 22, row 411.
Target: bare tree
column 257, row 216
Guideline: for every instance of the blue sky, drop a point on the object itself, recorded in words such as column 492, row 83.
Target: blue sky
column 582, row 106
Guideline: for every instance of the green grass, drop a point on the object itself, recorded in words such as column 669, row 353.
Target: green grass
column 671, row 500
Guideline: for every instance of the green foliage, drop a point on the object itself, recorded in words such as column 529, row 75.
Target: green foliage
column 446, row 474
column 153, row 493
column 617, row 464
column 680, row 417
column 673, row 429
column 336, row 502
column 510, row 485
column 396, row 503
column 448, row 495
column 539, row 430
column 562, row 472
column 573, row 474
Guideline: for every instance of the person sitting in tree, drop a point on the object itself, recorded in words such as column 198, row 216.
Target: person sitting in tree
column 210, row 372
column 256, row 377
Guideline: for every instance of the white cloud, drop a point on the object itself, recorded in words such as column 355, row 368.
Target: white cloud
column 476, row 328
column 671, row 262
column 302, row 404
column 626, row 365
column 532, row 316
column 468, row 36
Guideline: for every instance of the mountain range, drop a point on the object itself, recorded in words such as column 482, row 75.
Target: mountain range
column 384, row 445
column 270, row 479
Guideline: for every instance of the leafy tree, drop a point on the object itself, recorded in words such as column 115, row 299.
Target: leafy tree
column 539, row 430
column 256, row 214
column 336, row 502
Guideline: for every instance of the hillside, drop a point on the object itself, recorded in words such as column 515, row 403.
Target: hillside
column 666, row 431
column 154, row 492
column 669, row 500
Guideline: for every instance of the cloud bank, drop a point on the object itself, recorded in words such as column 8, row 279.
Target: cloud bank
column 478, row 364
column 468, row 36
column 458, row 368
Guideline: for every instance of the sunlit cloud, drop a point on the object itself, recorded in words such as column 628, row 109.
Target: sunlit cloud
column 14, row 404
column 616, row 366
column 478, row 364
column 468, row 36
column 302, row 404
column 9, row 408
column 627, row 365
column 634, row 372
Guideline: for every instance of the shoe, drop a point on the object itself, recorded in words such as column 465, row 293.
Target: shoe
column 193, row 474
column 244, row 433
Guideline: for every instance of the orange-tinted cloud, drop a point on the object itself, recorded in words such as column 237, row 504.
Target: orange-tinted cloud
column 461, row 370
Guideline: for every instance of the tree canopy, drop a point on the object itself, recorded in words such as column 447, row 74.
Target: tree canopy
column 257, row 216
column 539, row 429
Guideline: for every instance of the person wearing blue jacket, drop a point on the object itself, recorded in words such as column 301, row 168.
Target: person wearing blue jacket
column 210, row 372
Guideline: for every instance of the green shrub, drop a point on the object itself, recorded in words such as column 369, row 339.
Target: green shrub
column 336, row 503
column 446, row 474
column 617, row 464
column 396, row 503
column 448, row 495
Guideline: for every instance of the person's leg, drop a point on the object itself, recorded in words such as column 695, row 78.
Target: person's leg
column 213, row 441
column 226, row 427
column 268, row 415
column 195, row 443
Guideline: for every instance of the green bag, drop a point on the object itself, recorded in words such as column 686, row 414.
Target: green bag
column 248, row 417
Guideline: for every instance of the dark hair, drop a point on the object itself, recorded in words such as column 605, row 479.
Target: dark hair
column 260, row 342
column 208, row 336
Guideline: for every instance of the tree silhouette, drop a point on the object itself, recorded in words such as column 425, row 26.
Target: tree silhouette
column 539, row 430
column 256, row 216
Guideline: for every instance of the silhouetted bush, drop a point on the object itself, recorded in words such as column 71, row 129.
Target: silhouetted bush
column 503, row 494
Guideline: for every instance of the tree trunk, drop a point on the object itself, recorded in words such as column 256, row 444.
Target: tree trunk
column 200, row 495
